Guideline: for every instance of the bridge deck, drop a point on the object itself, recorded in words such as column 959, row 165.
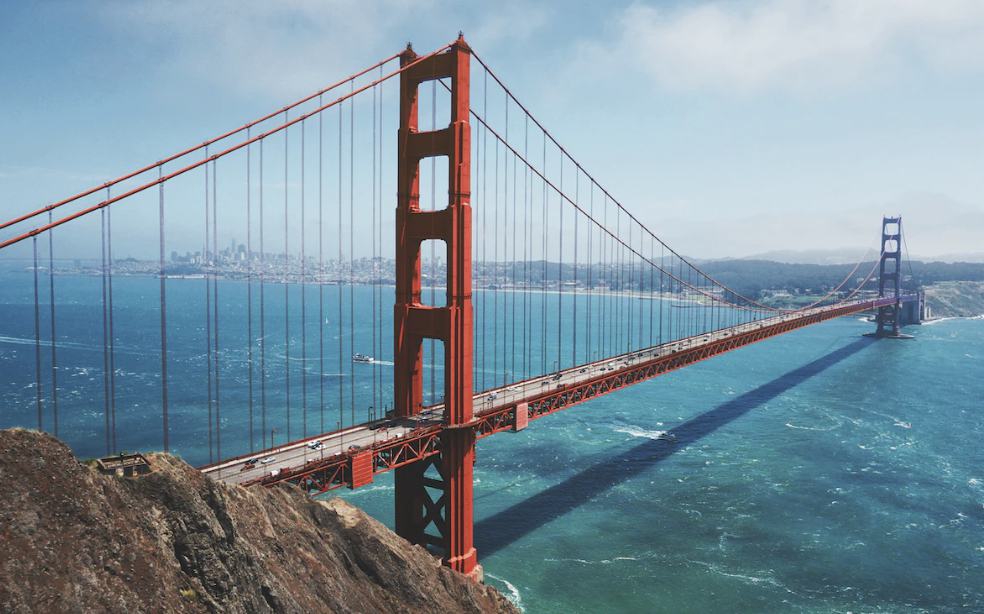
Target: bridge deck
column 390, row 443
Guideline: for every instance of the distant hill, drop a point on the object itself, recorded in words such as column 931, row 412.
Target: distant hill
column 850, row 256
column 752, row 277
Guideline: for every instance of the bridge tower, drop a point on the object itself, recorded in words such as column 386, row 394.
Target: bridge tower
column 890, row 317
column 416, row 510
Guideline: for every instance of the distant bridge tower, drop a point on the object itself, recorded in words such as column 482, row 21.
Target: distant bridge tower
column 450, row 511
column 891, row 317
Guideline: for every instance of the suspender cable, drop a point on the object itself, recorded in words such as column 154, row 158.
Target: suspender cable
column 51, row 297
column 262, row 315
column 560, row 274
column 286, row 285
column 577, row 187
column 215, row 307
column 662, row 254
column 652, row 279
column 527, row 253
column 590, row 297
column 105, row 318
column 485, row 227
column 341, row 287
column 352, row 246
column 303, row 301
column 495, row 271
column 249, row 288
column 37, row 343
column 375, row 281
column 163, row 317
column 321, row 270
column 515, row 185
column 543, row 292
column 112, row 337
column 208, row 313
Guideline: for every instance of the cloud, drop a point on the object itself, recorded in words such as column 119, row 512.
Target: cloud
column 798, row 45
column 285, row 48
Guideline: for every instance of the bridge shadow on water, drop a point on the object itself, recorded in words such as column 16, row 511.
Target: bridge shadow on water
column 510, row 525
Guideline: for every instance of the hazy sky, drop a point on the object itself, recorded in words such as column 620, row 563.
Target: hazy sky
column 730, row 127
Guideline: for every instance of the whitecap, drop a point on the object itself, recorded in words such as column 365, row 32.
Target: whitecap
column 513, row 595
column 641, row 433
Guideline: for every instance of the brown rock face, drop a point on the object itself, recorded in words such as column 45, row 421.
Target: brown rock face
column 72, row 540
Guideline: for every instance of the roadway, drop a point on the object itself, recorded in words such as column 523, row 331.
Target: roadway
column 299, row 453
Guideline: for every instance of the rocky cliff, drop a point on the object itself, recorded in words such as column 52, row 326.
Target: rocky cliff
column 73, row 540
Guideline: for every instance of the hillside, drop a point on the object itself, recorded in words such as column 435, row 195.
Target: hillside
column 956, row 299
column 76, row 541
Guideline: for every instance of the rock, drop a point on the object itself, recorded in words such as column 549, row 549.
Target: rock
column 175, row 541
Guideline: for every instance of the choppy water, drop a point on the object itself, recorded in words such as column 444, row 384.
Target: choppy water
column 816, row 472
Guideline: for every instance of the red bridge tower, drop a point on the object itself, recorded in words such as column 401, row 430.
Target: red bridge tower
column 416, row 509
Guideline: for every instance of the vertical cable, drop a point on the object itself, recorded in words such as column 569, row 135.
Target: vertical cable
column 662, row 265
column 262, row 316
column 577, row 199
column 505, row 236
column 495, row 271
column 112, row 336
column 485, row 231
column 560, row 270
column 341, row 288
column 102, row 227
column 514, row 237
column 249, row 286
column 321, row 268
column 375, row 280
column 303, row 300
column 54, row 360
column 207, row 265
column 286, row 284
column 590, row 296
column 352, row 244
column 543, row 292
column 37, row 340
column 603, row 323
column 652, row 279
column 160, row 170
column 527, row 250
column 215, row 307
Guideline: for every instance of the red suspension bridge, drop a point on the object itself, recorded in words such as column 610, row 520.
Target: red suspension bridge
column 524, row 279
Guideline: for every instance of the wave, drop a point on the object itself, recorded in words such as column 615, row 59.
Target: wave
column 513, row 595
column 642, row 433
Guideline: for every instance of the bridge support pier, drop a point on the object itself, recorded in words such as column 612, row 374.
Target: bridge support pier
column 891, row 317
column 449, row 475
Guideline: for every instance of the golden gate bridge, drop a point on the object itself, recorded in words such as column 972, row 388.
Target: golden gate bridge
column 540, row 290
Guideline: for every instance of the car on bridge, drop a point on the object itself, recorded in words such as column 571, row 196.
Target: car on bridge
column 268, row 460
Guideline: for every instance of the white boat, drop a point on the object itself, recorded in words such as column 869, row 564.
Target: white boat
column 361, row 358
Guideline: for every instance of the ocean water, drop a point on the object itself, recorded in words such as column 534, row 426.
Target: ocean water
column 816, row 472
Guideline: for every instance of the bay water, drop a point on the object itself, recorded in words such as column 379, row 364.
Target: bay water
column 815, row 472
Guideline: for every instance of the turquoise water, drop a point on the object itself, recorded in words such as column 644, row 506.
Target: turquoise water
column 815, row 472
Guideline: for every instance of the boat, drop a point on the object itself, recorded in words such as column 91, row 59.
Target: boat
column 361, row 358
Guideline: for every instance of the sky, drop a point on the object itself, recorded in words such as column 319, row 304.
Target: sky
column 730, row 128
